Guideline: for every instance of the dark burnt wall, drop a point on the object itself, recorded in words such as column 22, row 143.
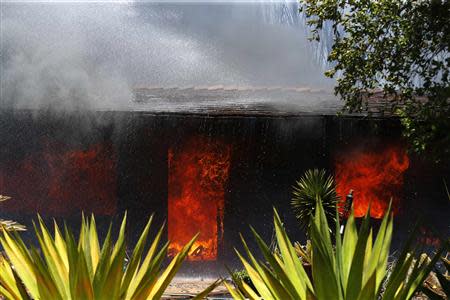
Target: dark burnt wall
column 268, row 155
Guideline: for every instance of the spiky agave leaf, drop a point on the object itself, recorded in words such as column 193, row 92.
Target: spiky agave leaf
column 283, row 277
column 70, row 269
column 10, row 286
column 314, row 185
column 352, row 269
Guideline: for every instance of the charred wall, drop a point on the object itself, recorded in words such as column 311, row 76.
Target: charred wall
column 111, row 162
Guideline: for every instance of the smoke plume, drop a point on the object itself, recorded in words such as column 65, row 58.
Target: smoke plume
column 75, row 56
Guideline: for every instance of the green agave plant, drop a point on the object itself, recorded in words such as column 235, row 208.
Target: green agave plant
column 353, row 269
column 314, row 185
column 64, row 269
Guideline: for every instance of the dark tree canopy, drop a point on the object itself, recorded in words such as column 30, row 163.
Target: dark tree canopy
column 400, row 47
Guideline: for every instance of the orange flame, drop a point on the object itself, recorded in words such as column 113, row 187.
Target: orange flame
column 198, row 172
column 55, row 182
column 375, row 177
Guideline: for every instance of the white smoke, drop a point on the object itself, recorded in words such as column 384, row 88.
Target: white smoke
column 88, row 56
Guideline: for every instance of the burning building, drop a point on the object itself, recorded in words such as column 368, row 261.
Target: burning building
column 209, row 161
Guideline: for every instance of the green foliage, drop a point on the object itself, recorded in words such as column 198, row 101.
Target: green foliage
column 304, row 252
column 354, row 268
column 314, row 185
column 240, row 278
column 65, row 269
column 241, row 275
column 398, row 47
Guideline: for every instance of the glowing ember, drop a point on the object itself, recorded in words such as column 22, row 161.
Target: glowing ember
column 428, row 237
column 375, row 177
column 55, row 182
column 198, row 172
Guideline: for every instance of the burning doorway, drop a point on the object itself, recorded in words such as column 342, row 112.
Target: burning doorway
column 198, row 174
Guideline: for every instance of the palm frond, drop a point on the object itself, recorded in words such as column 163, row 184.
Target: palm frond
column 314, row 185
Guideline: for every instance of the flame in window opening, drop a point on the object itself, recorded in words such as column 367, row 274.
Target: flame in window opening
column 375, row 177
column 60, row 181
